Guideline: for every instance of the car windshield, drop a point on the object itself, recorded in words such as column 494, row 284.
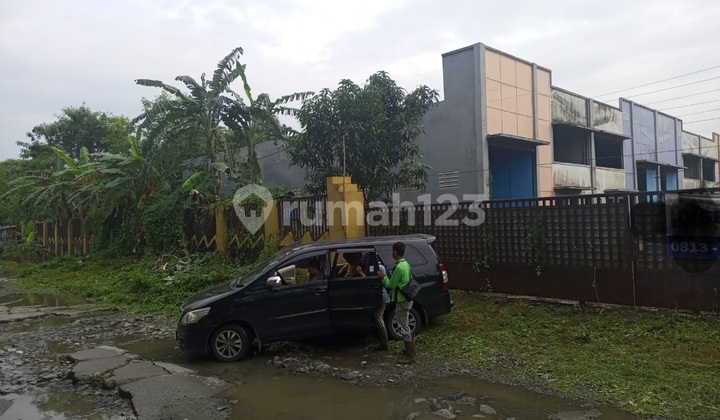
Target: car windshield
column 259, row 268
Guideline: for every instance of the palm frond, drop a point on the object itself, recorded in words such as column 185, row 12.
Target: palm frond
column 84, row 156
column 197, row 91
column 134, row 148
column 298, row 96
column 225, row 66
column 160, row 107
column 246, row 86
column 67, row 159
column 157, row 83
column 235, row 95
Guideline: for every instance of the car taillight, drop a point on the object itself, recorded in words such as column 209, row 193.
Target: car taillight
column 446, row 285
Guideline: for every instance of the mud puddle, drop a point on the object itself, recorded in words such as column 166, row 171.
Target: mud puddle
column 64, row 405
column 260, row 389
column 38, row 299
column 40, row 323
column 278, row 397
column 264, row 392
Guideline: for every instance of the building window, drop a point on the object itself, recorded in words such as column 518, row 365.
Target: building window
column 668, row 179
column 692, row 165
column 608, row 152
column 448, row 180
column 708, row 170
column 571, row 145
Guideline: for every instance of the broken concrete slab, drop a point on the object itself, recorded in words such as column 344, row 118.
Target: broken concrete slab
column 5, row 406
column 90, row 368
column 101, row 352
column 175, row 396
column 174, row 369
column 157, row 390
column 136, row 370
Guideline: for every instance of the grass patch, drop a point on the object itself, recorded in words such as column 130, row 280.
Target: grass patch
column 147, row 285
column 650, row 363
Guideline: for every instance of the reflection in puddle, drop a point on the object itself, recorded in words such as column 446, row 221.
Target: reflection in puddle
column 157, row 350
column 265, row 392
column 69, row 403
column 22, row 407
column 38, row 299
column 298, row 397
column 41, row 323
column 59, row 406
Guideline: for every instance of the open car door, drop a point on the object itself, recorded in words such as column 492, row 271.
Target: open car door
column 354, row 297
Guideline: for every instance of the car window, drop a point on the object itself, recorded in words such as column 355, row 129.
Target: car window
column 354, row 263
column 412, row 256
column 304, row 269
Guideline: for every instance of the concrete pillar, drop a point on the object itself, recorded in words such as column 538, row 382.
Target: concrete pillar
column 346, row 209
column 271, row 228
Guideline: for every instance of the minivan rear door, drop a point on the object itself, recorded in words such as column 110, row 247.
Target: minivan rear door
column 354, row 299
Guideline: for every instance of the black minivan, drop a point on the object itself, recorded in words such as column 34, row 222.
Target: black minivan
column 300, row 292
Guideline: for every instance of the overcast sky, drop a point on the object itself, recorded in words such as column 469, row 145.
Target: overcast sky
column 56, row 54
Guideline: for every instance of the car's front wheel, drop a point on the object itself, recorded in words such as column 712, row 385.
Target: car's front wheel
column 414, row 322
column 230, row 343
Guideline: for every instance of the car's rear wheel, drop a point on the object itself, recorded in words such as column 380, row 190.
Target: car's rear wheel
column 230, row 343
column 414, row 321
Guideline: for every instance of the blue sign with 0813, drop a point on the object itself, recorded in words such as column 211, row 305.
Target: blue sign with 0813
column 693, row 247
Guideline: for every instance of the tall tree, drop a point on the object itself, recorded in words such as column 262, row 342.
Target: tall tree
column 75, row 128
column 213, row 112
column 199, row 112
column 368, row 132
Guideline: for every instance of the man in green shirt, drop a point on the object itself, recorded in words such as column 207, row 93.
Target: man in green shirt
column 400, row 277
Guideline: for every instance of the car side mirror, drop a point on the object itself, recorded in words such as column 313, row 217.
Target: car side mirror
column 273, row 282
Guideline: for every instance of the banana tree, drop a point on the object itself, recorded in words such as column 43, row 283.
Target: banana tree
column 199, row 111
column 256, row 122
column 122, row 182
column 54, row 194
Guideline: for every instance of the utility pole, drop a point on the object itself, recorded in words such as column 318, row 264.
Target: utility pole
column 344, row 172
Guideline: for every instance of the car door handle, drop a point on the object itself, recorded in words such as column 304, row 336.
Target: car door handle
column 319, row 291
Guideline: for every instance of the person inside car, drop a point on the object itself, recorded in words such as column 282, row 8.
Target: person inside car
column 353, row 267
column 315, row 270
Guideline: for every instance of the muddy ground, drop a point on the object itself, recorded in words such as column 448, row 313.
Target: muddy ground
column 339, row 376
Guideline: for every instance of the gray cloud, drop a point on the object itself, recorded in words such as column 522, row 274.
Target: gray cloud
column 58, row 54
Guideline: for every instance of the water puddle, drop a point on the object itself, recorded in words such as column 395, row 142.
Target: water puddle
column 275, row 397
column 59, row 406
column 47, row 322
column 264, row 392
column 157, row 351
column 14, row 407
column 59, row 348
column 68, row 403
column 39, row 299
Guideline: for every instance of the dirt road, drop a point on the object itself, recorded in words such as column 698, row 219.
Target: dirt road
column 336, row 377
